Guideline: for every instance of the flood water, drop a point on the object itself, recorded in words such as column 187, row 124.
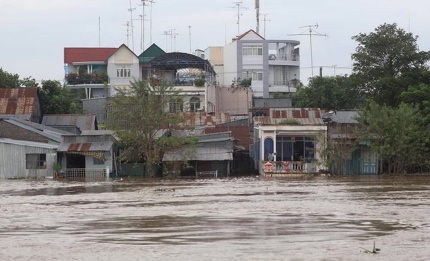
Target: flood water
column 216, row 219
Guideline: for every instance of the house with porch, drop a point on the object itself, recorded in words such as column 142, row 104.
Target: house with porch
column 99, row 71
column 91, row 154
column 288, row 141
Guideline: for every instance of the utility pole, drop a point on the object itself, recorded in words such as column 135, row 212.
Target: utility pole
column 311, row 33
column 239, row 6
column 99, row 31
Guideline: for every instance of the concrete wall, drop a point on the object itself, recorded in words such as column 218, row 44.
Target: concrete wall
column 13, row 161
column 230, row 63
column 122, row 58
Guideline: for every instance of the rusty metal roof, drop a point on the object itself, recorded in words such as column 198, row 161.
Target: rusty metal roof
column 239, row 133
column 82, row 121
column 18, row 100
column 206, row 119
column 286, row 116
column 85, row 147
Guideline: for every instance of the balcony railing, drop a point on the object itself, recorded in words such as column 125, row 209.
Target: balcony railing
column 85, row 173
column 284, row 167
column 95, row 78
column 291, row 57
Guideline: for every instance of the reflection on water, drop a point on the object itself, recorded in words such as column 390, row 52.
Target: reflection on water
column 223, row 219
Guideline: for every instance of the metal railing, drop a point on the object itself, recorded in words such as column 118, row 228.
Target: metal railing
column 85, row 173
column 284, row 167
column 213, row 174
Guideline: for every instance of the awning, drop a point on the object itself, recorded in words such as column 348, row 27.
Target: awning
column 94, row 149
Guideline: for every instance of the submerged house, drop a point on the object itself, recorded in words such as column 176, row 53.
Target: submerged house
column 351, row 156
column 211, row 153
column 26, row 159
column 91, row 154
column 289, row 140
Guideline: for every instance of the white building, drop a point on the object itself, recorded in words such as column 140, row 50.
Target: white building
column 273, row 65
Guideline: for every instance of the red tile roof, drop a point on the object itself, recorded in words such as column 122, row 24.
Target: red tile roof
column 18, row 100
column 87, row 54
column 245, row 33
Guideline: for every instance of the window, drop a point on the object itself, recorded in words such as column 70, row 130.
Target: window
column 194, row 104
column 252, row 50
column 176, row 106
column 122, row 73
column 97, row 161
column 35, row 161
column 254, row 75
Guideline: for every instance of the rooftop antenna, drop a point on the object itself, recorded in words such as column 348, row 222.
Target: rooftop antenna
column 257, row 13
column 150, row 20
column 264, row 22
column 189, row 33
column 239, row 6
column 128, row 31
column 311, row 33
column 99, row 31
column 166, row 33
column 131, row 25
column 173, row 40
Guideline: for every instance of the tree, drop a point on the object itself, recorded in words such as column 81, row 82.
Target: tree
column 55, row 99
column 329, row 93
column 386, row 62
column 8, row 80
column 396, row 134
column 141, row 118
column 28, row 82
column 419, row 96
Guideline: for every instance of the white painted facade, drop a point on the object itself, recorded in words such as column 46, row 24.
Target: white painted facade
column 122, row 67
column 273, row 65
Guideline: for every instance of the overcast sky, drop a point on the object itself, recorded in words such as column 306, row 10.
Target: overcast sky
column 35, row 32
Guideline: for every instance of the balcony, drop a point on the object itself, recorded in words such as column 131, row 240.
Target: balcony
column 281, row 59
column 85, row 78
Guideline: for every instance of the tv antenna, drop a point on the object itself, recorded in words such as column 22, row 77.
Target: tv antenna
column 311, row 32
column 144, row 3
column 131, row 25
column 264, row 23
column 239, row 6
column 128, row 31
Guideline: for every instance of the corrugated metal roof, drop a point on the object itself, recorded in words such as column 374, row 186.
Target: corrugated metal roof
column 215, row 152
column 278, row 116
column 343, row 116
column 48, row 134
column 239, row 133
column 206, row 119
column 82, row 121
column 85, row 147
column 87, row 54
column 29, row 143
column 18, row 100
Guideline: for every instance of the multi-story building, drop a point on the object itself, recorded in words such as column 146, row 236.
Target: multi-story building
column 273, row 65
column 99, row 71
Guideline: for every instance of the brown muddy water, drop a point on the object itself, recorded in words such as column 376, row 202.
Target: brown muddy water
column 216, row 219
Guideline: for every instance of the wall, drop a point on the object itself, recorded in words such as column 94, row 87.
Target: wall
column 122, row 58
column 13, row 161
column 11, row 131
column 230, row 64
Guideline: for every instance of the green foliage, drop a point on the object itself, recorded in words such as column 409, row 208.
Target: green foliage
column 29, row 82
column 396, row 134
column 141, row 118
column 419, row 96
column 246, row 82
column 199, row 82
column 386, row 62
column 55, row 99
column 8, row 80
column 328, row 93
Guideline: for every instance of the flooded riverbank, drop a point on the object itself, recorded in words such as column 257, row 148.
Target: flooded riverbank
column 216, row 219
